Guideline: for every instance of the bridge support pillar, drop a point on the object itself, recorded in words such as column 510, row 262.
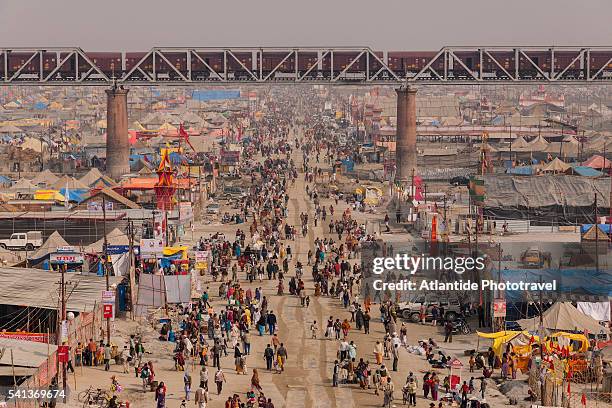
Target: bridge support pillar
column 117, row 139
column 405, row 145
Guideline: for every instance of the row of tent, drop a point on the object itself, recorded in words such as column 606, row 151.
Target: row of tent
column 588, row 168
column 48, row 186
column 562, row 319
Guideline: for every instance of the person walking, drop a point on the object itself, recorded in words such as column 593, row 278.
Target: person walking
column 255, row 383
column 160, row 395
column 448, row 332
column 395, row 355
column 411, row 390
column 388, row 392
column 204, row 378
column 269, row 356
column 107, row 357
column 201, row 397
column 483, row 387
column 219, row 380
column 378, row 352
column 281, row 354
column 187, row 383
column 271, row 320
column 335, row 374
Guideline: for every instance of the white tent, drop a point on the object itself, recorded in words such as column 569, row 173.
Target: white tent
column 563, row 316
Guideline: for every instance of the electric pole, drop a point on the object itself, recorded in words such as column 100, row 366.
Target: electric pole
column 106, row 272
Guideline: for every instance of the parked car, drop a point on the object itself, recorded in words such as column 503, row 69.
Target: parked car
column 411, row 310
column 213, row 208
column 23, row 241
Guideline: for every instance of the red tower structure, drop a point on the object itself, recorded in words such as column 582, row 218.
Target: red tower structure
column 165, row 187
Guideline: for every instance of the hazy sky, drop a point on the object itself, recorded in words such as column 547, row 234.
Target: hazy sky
column 382, row 24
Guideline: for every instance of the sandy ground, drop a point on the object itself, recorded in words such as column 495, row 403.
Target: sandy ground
column 307, row 379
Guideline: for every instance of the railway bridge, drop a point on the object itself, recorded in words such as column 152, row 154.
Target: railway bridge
column 360, row 66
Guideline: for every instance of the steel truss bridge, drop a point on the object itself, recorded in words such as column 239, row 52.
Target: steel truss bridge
column 309, row 65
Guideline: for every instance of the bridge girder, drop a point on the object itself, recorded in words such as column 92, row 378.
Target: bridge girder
column 307, row 65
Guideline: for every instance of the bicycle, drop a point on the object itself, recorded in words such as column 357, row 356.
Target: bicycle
column 93, row 396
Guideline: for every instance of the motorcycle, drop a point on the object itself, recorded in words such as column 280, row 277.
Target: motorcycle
column 461, row 326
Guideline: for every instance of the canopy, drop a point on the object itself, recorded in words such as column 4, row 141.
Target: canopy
column 48, row 195
column 597, row 162
column 584, row 171
column 519, row 143
column 556, row 166
column 71, row 183
column 520, row 340
column 538, row 144
column 563, row 316
column 10, row 129
column 54, row 241
column 23, row 185
column 46, row 177
column 584, row 341
column 115, row 237
column 93, row 176
column 169, row 251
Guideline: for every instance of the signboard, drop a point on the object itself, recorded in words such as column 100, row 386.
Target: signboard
column 97, row 206
column 201, row 260
column 499, row 308
column 151, row 248
column 64, row 330
column 37, row 337
column 108, row 304
column 185, row 211
column 108, row 311
column 66, row 248
column 118, row 249
column 60, row 258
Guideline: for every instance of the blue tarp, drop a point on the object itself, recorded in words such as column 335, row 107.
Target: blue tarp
column 521, row 171
column 176, row 158
column 75, row 195
column 587, row 171
column 40, row 105
column 497, row 121
column 215, row 95
column 348, row 164
column 5, row 180
column 604, row 227
column 570, row 281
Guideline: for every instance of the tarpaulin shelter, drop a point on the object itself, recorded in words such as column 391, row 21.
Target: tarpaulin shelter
column 584, row 171
column 94, row 178
column 115, row 237
column 520, row 170
column 45, row 178
column 520, row 341
column 555, row 166
column 596, row 232
column 539, row 144
column 519, row 144
column 563, row 316
column 74, row 195
column 49, row 195
column 561, row 198
column 563, row 339
column 70, row 183
column 51, row 245
column 597, row 162
column 23, row 186
column 10, row 129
